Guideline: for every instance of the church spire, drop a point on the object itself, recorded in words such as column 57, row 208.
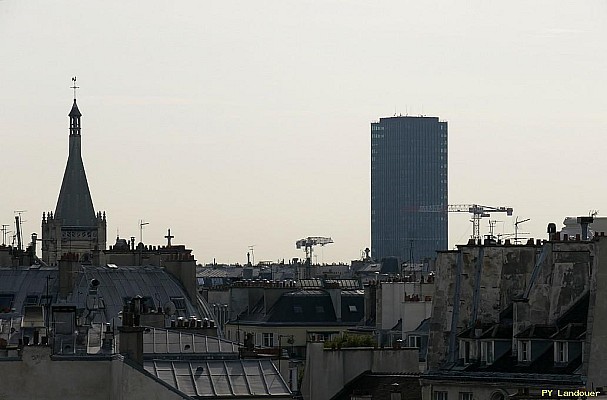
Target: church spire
column 74, row 205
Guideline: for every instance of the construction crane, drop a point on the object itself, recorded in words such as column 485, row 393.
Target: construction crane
column 311, row 241
column 308, row 244
column 478, row 212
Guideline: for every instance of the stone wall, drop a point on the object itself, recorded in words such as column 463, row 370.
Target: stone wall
column 346, row 364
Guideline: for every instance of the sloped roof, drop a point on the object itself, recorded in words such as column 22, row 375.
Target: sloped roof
column 74, row 112
column 537, row 332
column 115, row 285
column 164, row 342
column 577, row 313
column 570, row 332
column 19, row 283
column 221, row 379
column 309, row 306
column 120, row 283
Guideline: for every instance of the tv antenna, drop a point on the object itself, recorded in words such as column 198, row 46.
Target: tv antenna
column 5, row 231
column 516, row 224
column 251, row 248
column 142, row 223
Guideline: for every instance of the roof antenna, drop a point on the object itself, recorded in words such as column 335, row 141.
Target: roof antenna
column 74, row 87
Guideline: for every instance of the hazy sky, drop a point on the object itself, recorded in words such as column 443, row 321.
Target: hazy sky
column 248, row 123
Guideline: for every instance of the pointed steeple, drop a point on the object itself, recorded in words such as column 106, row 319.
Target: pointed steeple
column 75, row 206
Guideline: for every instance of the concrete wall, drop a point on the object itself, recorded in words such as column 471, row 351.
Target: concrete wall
column 595, row 348
column 131, row 383
column 394, row 307
column 392, row 298
column 414, row 312
column 36, row 376
column 346, row 364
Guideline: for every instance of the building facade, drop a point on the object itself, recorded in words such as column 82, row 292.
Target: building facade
column 408, row 178
column 509, row 321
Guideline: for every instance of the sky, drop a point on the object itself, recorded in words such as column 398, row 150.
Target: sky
column 241, row 124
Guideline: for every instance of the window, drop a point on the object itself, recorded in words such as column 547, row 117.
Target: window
column 524, row 350
column 31, row 300
column 464, row 351
column 465, row 395
column 268, row 339
column 179, row 303
column 415, row 341
column 6, row 303
column 297, row 309
column 439, row 395
column 320, row 309
column 560, row 352
column 487, row 352
column 352, row 308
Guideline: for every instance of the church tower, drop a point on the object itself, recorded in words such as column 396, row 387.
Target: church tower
column 74, row 227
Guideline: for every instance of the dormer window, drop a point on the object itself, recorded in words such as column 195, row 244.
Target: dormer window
column 6, row 302
column 415, row 341
column 524, row 350
column 561, row 352
column 487, row 354
column 464, row 351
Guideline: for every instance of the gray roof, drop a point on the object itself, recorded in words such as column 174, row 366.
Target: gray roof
column 19, row 283
column 229, row 379
column 75, row 205
column 116, row 285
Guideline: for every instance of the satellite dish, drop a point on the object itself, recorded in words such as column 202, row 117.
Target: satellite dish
column 170, row 308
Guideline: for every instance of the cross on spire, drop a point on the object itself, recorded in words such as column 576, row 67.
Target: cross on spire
column 169, row 237
column 74, row 87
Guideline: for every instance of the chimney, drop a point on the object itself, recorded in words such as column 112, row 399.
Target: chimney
column 584, row 222
column 131, row 333
column 552, row 231
column 34, row 240
column 107, row 344
column 68, row 268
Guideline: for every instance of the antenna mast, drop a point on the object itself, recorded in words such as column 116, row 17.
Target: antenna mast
column 142, row 223
column 516, row 224
column 4, row 232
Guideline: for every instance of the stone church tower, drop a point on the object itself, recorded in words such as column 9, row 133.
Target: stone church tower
column 74, row 227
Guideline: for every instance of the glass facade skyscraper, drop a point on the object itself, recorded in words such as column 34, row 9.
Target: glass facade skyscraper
column 408, row 188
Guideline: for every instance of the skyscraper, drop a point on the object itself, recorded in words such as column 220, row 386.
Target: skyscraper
column 408, row 187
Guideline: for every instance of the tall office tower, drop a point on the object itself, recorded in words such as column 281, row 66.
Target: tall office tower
column 408, row 188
